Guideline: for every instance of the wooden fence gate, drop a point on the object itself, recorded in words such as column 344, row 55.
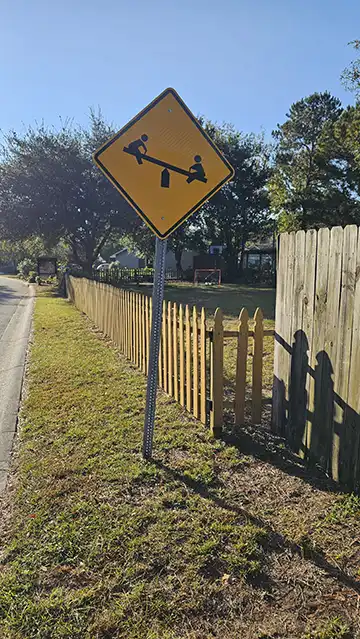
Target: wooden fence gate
column 316, row 399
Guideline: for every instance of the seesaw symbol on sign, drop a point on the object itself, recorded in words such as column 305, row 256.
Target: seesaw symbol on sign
column 195, row 172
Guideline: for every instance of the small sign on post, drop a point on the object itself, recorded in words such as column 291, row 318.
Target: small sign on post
column 166, row 166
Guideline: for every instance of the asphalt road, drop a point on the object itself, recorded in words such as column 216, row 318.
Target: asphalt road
column 16, row 304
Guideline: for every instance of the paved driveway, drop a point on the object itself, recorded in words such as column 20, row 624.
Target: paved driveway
column 16, row 303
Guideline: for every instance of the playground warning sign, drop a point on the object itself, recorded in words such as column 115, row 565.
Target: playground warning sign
column 164, row 163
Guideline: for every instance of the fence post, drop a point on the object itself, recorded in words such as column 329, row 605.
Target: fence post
column 165, row 350
column 182, row 356
column 129, row 325
column 160, row 371
column 188, row 357
column 242, row 353
column 257, row 366
column 203, row 367
column 217, row 376
column 195, row 364
column 145, row 333
column 170, row 350
column 122, row 323
column 175, row 353
column 137, row 341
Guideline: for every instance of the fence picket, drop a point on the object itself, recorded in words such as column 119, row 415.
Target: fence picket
column 128, row 314
column 137, row 330
column 161, row 376
column 195, row 365
column 242, row 353
column 175, row 353
column 170, row 350
column 143, row 334
column 147, row 333
column 165, row 350
column 203, row 367
column 182, row 356
column 257, row 366
column 217, row 376
column 188, row 357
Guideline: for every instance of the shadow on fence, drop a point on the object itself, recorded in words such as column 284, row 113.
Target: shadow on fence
column 317, row 423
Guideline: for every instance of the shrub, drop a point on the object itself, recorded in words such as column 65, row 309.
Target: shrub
column 26, row 267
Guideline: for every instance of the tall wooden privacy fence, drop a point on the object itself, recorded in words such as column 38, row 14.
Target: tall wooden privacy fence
column 316, row 398
column 191, row 352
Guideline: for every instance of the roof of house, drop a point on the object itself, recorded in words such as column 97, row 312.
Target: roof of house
column 264, row 246
column 114, row 255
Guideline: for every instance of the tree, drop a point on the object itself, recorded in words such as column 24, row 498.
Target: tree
column 235, row 215
column 30, row 249
column 304, row 189
column 351, row 75
column 343, row 148
column 238, row 212
column 50, row 187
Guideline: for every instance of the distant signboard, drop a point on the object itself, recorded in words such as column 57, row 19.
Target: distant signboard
column 46, row 266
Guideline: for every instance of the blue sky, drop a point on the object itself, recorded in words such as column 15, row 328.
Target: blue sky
column 240, row 61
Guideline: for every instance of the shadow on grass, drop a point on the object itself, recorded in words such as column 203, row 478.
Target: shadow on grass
column 260, row 443
column 45, row 290
column 275, row 541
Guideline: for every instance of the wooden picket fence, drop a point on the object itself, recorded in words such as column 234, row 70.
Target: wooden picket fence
column 191, row 358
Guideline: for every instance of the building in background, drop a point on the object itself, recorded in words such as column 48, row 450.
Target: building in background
column 128, row 259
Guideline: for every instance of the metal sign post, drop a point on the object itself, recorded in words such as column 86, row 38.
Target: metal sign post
column 157, row 302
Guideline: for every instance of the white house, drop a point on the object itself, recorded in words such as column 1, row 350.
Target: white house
column 127, row 259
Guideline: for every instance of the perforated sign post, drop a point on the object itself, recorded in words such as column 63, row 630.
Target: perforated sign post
column 166, row 167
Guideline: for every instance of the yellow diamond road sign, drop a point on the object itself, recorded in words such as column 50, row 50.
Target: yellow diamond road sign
column 164, row 163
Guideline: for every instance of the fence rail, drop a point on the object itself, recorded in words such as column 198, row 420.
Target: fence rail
column 191, row 362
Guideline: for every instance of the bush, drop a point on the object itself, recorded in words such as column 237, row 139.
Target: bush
column 38, row 280
column 32, row 277
column 26, row 267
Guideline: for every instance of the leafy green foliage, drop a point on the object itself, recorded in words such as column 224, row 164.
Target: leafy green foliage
column 308, row 187
column 351, row 75
column 50, row 187
column 235, row 215
column 239, row 212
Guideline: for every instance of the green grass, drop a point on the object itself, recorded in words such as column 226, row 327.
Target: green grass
column 231, row 298
column 333, row 629
column 103, row 543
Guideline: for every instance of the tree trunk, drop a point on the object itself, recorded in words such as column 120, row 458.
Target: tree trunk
column 231, row 265
column 178, row 255
column 242, row 254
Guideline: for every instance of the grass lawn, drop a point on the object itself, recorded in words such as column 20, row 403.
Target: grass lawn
column 229, row 297
column 223, row 539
